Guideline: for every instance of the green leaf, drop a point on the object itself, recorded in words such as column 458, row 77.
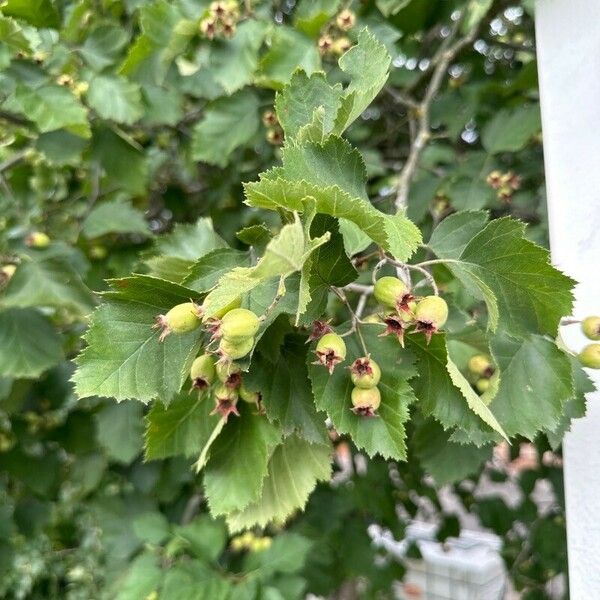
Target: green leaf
column 285, row 390
column 523, row 292
column 233, row 62
column 297, row 103
column 151, row 527
column 289, row 50
column 124, row 359
column 207, row 271
column 120, row 429
column 61, row 147
column 228, row 123
column 311, row 15
column 193, row 581
column 115, row 98
column 333, row 174
column 384, row 434
column 286, row 253
column 294, row 469
column 445, row 461
column 439, row 396
column 368, row 65
column 114, row 216
column 176, row 252
column 29, row 345
column 511, row 130
column 103, row 45
column 238, row 463
column 206, row 537
column 535, row 383
column 11, row 34
column 182, row 428
column 287, row 554
column 50, row 107
column 47, row 281
column 141, row 578
column 39, row 13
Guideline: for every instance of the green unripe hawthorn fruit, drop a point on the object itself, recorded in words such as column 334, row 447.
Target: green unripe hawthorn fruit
column 202, row 372
column 237, row 349
column 229, row 373
column 249, row 396
column 182, row 318
column 37, row 239
column 482, row 385
column 6, row 273
column 365, row 401
column 330, row 350
column 390, row 291
column 225, row 402
column 345, row 20
column 431, row 313
column 238, row 325
column 591, row 328
column 480, row 365
column 365, row 372
column 590, row 356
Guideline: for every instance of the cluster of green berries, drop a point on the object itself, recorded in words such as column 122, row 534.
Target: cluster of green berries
column 249, row 541
column 426, row 315
column 481, row 369
column 274, row 131
column 221, row 20
column 333, row 41
column 225, row 379
column 590, row 355
column 505, row 184
column 235, row 329
column 364, row 371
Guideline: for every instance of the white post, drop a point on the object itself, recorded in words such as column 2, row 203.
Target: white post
column 568, row 41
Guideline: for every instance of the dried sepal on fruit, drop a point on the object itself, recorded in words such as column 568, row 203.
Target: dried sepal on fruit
column 395, row 325
column 225, row 402
column 319, row 329
column 330, row 351
column 229, row 374
column 346, row 19
column 591, row 328
column 590, row 356
column 202, row 372
column 365, row 372
column 365, row 401
column 182, row 318
column 431, row 314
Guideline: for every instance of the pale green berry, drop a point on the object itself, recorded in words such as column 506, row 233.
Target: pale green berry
column 390, row 291
column 182, row 318
column 590, row 356
column 431, row 313
column 365, row 372
column 236, row 350
column 330, row 350
column 365, row 401
column 37, row 239
column 482, row 385
column 480, row 365
column 249, row 396
column 239, row 324
column 591, row 328
column 202, row 372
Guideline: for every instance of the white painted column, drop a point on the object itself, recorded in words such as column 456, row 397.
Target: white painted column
column 568, row 41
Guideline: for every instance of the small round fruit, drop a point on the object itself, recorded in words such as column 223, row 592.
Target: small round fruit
column 182, row 318
column 341, row 45
column 6, row 273
column 37, row 239
column 390, row 291
column 365, row 401
column 330, row 350
column 365, row 373
column 236, row 350
column 590, row 356
column 591, row 328
column 324, row 44
column 249, row 396
column 226, row 369
column 225, row 402
column 238, row 325
column 345, row 20
column 431, row 313
column 202, row 372
column 480, row 365
column 482, row 385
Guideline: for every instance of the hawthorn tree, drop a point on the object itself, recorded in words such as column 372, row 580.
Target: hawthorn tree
column 310, row 230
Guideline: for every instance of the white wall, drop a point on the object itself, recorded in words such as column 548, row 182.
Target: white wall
column 568, row 40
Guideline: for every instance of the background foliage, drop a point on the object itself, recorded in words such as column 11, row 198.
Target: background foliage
column 126, row 137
